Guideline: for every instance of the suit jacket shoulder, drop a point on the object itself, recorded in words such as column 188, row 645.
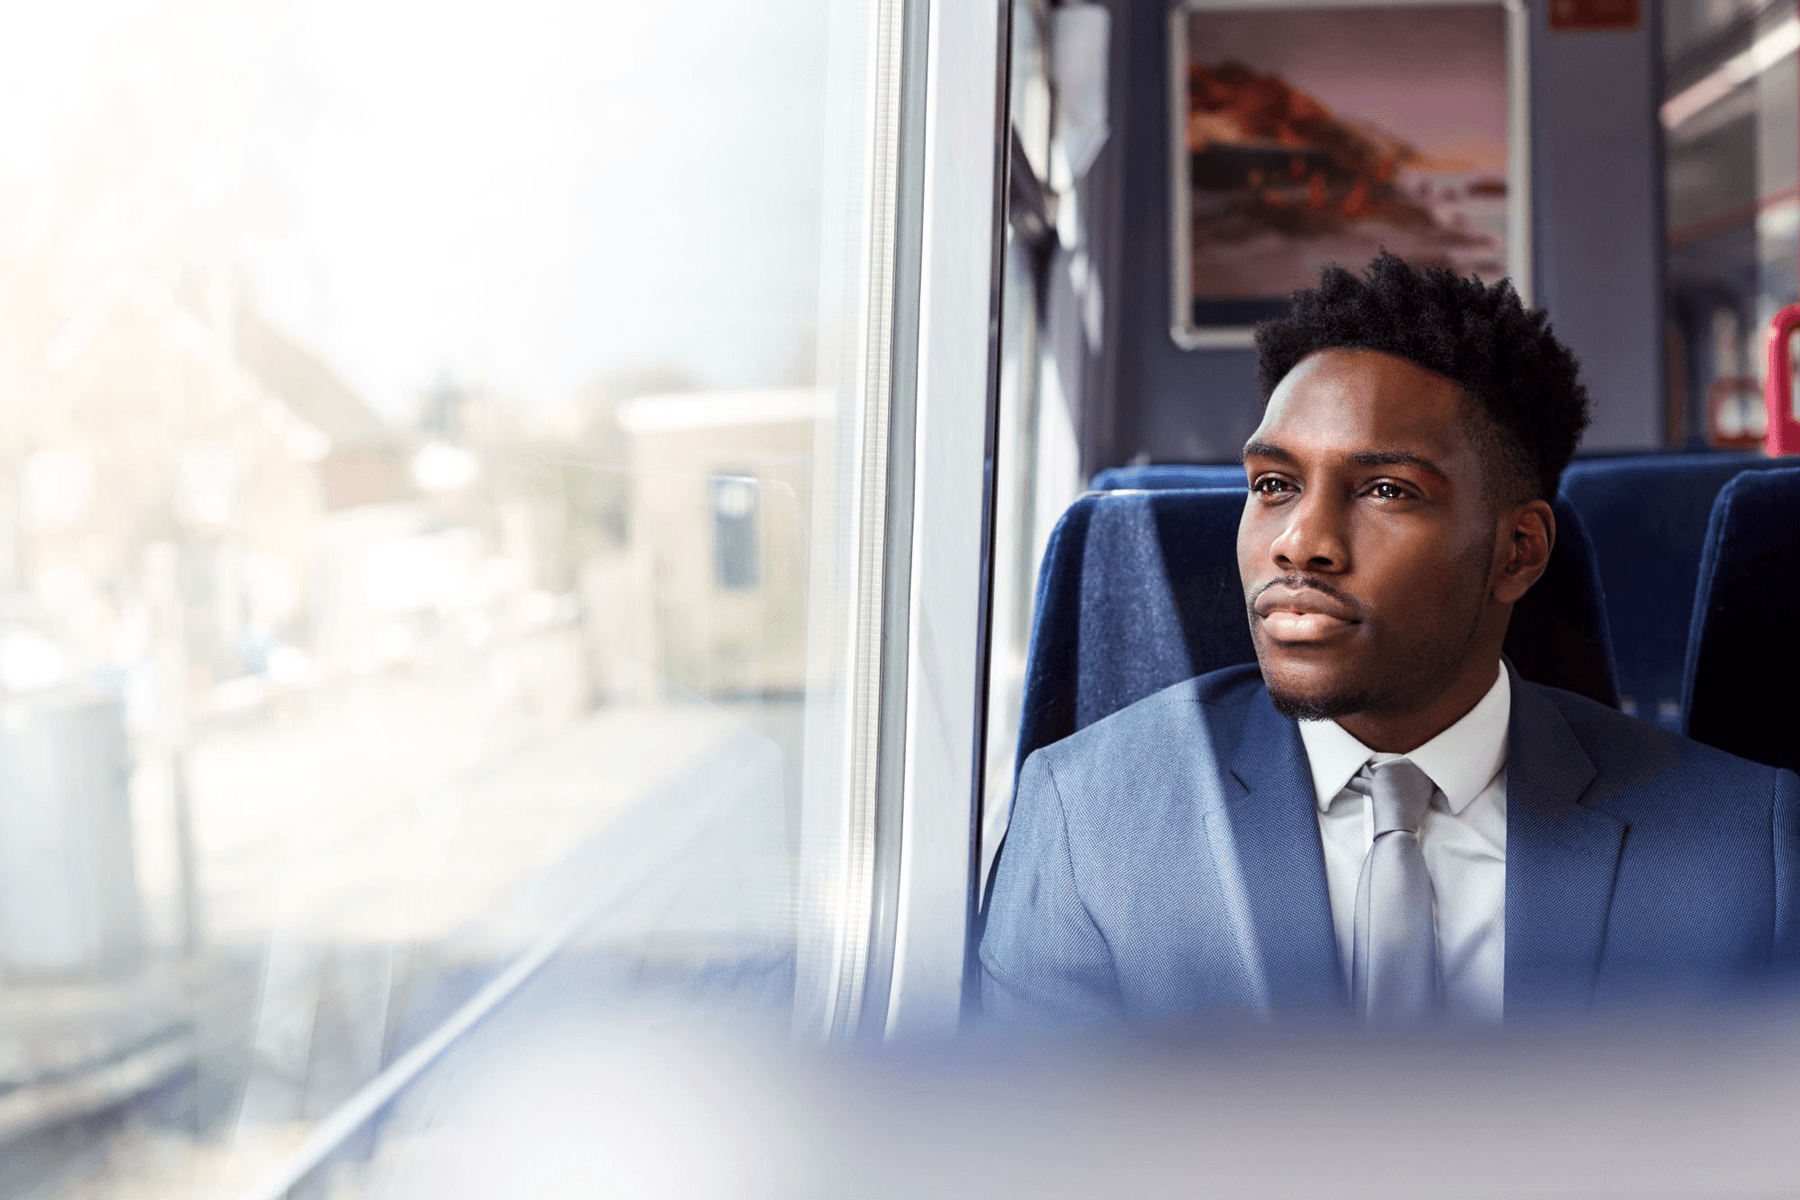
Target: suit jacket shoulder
column 1212, row 706
column 1649, row 777
column 1627, row 752
column 1112, row 895
column 1119, row 779
column 1640, row 863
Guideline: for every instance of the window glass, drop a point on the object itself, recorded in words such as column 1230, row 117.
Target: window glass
column 1037, row 470
column 1032, row 102
column 1730, row 135
column 736, row 552
column 1037, row 476
column 1015, row 553
column 429, row 543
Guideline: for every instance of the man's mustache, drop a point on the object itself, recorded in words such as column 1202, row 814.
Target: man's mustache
column 1302, row 582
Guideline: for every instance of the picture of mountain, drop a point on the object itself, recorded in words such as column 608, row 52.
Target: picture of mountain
column 1326, row 135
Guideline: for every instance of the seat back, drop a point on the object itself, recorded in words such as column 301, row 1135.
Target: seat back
column 1647, row 516
column 1161, row 476
column 1743, row 658
column 1140, row 590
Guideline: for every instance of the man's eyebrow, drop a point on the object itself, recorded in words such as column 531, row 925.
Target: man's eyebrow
column 1397, row 458
column 1266, row 450
column 1362, row 458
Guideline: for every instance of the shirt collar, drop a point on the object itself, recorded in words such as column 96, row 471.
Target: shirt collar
column 1461, row 761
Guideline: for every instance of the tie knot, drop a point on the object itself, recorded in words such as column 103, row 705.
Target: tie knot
column 1400, row 793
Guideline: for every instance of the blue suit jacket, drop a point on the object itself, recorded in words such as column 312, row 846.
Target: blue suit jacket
column 1166, row 861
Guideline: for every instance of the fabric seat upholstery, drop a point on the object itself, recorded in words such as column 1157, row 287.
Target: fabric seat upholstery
column 1161, row 476
column 1140, row 590
column 1647, row 516
column 1742, row 659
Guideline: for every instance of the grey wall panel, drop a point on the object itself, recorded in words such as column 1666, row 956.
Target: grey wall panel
column 1597, row 217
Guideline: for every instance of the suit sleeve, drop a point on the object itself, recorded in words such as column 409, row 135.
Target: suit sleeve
column 1786, row 821
column 1043, row 959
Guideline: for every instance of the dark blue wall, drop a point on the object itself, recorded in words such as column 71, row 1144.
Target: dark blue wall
column 1596, row 229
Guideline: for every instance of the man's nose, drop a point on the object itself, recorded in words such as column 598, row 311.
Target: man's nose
column 1313, row 538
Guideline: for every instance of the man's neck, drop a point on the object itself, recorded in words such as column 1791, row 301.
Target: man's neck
column 1402, row 732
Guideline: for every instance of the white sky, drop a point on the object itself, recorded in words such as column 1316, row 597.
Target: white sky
column 532, row 194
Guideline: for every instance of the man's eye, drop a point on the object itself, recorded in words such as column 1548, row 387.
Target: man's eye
column 1389, row 491
column 1268, row 485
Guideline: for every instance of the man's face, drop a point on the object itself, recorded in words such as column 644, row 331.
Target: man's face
column 1367, row 543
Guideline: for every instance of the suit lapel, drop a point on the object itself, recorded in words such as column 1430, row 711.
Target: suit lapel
column 1561, row 862
column 1271, row 813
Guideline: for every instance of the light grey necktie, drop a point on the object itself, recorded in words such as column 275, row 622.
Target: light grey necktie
column 1394, row 973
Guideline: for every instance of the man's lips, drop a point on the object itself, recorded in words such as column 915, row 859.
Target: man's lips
column 1303, row 627
column 1302, row 614
column 1302, row 601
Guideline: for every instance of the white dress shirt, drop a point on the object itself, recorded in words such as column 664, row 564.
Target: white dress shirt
column 1463, row 840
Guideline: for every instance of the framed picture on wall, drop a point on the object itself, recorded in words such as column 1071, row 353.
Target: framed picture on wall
column 1324, row 132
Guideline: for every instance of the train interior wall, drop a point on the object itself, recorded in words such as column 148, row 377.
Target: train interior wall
column 1597, row 247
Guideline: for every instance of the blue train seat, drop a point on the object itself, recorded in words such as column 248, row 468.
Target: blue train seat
column 1139, row 590
column 1647, row 516
column 1160, row 476
column 1743, row 654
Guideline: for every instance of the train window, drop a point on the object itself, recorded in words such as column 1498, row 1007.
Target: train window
column 454, row 535
column 1016, row 542
column 735, row 550
column 1729, row 112
column 1033, row 101
column 1053, row 351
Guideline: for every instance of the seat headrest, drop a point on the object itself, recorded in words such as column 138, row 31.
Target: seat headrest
column 1647, row 515
column 1163, row 476
column 1737, row 691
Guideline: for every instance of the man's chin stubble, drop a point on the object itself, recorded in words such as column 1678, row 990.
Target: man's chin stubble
column 1326, row 705
column 1319, row 708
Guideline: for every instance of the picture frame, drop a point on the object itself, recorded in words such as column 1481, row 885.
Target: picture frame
column 1302, row 133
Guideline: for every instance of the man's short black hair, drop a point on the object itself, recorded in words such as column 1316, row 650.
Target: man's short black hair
column 1480, row 337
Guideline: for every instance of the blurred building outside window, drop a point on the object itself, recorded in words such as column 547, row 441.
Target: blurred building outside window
column 427, row 540
column 734, row 530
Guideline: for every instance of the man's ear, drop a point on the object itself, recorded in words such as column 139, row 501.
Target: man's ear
column 1527, row 533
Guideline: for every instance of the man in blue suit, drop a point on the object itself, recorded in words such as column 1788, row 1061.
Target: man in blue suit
column 1382, row 818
